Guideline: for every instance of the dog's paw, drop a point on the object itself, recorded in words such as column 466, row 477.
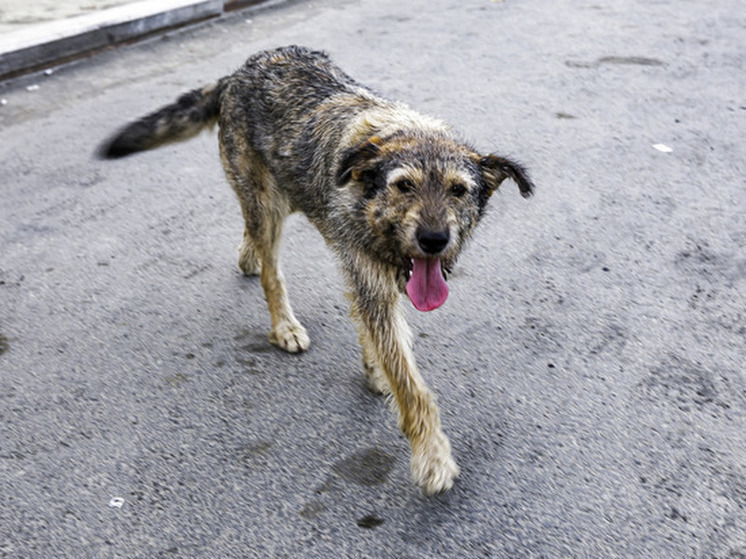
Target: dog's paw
column 433, row 467
column 250, row 268
column 290, row 336
column 247, row 261
column 376, row 379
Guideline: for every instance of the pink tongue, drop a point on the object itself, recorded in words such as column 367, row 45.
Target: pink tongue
column 426, row 288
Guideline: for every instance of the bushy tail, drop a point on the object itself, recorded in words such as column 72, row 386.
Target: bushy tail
column 182, row 120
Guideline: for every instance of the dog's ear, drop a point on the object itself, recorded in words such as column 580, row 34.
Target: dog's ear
column 496, row 169
column 356, row 160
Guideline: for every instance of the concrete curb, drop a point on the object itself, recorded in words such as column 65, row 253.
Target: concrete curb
column 48, row 43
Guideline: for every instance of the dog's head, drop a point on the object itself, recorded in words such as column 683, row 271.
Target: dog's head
column 422, row 194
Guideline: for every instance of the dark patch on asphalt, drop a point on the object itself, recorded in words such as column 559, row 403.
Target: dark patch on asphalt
column 617, row 60
column 259, row 347
column 251, row 345
column 312, row 510
column 249, row 365
column 674, row 514
column 689, row 385
column 697, row 258
column 366, row 467
column 613, row 338
column 255, row 455
column 685, row 382
column 176, row 380
column 371, row 521
column 257, row 343
column 196, row 271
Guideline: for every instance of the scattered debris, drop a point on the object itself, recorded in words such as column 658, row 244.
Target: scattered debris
column 663, row 148
column 3, row 101
column 34, row 87
column 116, row 502
column 49, row 71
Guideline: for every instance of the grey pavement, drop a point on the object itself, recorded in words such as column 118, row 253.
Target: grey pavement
column 22, row 14
column 45, row 33
column 589, row 362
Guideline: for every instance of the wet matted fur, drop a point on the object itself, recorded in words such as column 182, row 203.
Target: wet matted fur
column 395, row 195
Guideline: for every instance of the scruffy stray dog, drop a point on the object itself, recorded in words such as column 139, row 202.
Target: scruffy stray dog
column 393, row 193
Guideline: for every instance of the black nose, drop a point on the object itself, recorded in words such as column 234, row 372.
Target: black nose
column 432, row 242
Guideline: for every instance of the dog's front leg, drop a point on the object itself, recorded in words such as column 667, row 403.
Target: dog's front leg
column 387, row 341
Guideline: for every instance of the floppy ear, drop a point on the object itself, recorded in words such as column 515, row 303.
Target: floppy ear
column 355, row 160
column 496, row 169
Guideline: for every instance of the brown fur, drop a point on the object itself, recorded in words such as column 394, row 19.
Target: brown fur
column 383, row 184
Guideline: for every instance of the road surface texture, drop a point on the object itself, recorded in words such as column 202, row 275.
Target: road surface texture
column 589, row 362
column 20, row 14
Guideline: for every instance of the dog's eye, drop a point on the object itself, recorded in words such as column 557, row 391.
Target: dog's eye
column 404, row 185
column 458, row 190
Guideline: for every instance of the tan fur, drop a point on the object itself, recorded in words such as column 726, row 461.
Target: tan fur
column 384, row 185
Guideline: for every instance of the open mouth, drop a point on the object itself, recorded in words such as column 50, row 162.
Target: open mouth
column 426, row 284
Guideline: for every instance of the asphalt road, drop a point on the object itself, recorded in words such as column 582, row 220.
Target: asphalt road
column 589, row 362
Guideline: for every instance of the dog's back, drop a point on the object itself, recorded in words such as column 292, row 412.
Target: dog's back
column 253, row 92
column 288, row 109
column 270, row 96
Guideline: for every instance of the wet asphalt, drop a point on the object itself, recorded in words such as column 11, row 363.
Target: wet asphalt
column 589, row 362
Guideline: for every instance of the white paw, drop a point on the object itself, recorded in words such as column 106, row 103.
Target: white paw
column 290, row 336
column 433, row 467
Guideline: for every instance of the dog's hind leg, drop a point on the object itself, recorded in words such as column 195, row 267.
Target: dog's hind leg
column 263, row 234
column 375, row 305
column 287, row 333
column 264, row 211
column 247, row 260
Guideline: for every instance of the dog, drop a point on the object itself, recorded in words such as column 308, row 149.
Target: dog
column 395, row 194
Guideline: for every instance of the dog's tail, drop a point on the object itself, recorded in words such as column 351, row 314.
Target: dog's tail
column 184, row 119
